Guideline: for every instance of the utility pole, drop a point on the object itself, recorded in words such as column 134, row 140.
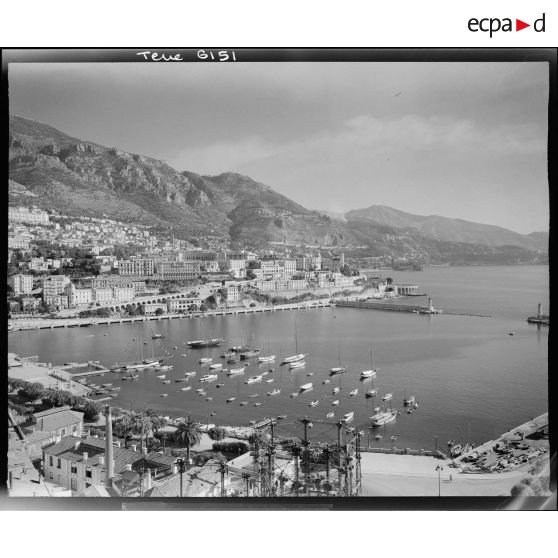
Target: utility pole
column 358, row 472
column 222, row 470
column 270, row 464
column 256, row 462
column 306, row 456
column 296, row 453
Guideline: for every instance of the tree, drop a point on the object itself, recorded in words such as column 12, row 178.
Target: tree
column 217, row 433
column 91, row 410
column 159, row 312
column 32, row 391
column 188, row 432
column 141, row 424
column 123, row 428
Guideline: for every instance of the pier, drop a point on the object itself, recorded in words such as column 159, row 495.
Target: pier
column 410, row 308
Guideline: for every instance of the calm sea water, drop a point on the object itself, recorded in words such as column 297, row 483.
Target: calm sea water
column 467, row 374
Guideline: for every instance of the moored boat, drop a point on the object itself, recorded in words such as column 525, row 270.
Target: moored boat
column 274, row 392
column 330, row 415
column 206, row 360
column 304, row 387
column 294, row 358
column 235, row 371
column 269, row 358
column 253, row 379
column 187, row 388
column 216, row 366
column 297, row 364
column 188, row 374
column 372, row 393
column 209, row 378
column 348, row 417
column 353, row 393
column 314, row 403
column 383, row 417
column 164, row 394
column 336, row 402
column 387, row 397
column 231, row 399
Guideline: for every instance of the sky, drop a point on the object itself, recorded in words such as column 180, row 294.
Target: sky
column 463, row 140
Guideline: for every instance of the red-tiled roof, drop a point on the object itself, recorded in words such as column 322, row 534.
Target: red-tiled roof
column 66, row 444
column 59, row 420
column 159, row 460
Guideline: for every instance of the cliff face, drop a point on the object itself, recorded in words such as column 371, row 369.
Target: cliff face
column 80, row 177
column 76, row 177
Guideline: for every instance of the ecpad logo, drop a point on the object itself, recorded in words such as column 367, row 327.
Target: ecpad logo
column 494, row 24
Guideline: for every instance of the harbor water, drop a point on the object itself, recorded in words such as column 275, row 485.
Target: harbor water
column 471, row 378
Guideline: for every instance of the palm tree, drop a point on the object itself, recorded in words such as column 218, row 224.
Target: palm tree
column 123, row 427
column 141, row 424
column 188, row 432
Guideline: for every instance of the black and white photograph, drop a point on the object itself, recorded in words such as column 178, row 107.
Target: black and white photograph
column 236, row 274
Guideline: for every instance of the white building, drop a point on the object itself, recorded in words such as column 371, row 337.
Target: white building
column 25, row 215
column 54, row 285
column 21, row 284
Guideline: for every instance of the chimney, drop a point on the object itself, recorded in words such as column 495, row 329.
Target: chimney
column 116, row 444
column 85, row 456
column 96, row 436
column 109, row 450
column 174, row 469
column 134, row 447
column 76, row 445
column 539, row 310
column 128, row 467
column 147, row 479
column 145, row 452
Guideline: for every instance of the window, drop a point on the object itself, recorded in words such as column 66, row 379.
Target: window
column 50, row 476
column 74, row 484
column 88, row 472
column 59, row 464
column 74, row 469
column 50, row 461
column 63, row 432
column 74, row 429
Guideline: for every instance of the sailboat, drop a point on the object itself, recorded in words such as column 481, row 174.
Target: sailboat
column 142, row 363
column 298, row 356
column 203, row 343
column 348, row 417
column 338, row 369
column 369, row 373
column 269, row 357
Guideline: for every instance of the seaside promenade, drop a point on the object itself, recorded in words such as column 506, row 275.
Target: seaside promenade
column 52, row 323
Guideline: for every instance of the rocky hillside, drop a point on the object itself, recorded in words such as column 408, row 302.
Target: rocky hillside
column 446, row 229
column 80, row 177
column 55, row 171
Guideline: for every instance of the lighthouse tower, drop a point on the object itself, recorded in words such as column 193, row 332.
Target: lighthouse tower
column 430, row 307
column 539, row 311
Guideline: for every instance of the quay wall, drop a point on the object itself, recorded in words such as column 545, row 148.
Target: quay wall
column 406, row 451
column 42, row 323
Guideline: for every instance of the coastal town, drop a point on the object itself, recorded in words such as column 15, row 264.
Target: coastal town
column 66, row 437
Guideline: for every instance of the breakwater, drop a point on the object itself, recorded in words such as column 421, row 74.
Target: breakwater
column 410, row 308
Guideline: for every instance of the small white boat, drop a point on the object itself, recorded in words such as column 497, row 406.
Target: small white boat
column 282, row 417
column 304, row 387
column 372, row 393
column 107, row 385
column 188, row 374
column 253, row 379
column 219, row 385
column 353, row 393
column 379, row 436
column 336, row 390
column 274, row 392
column 205, row 360
column 368, row 374
column 269, row 358
column 294, row 394
column 166, row 367
column 254, row 395
column 330, row 415
column 338, row 370
column 164, row 394
column 187, row 388
column 209, row 378
column 298, row 364
column 383, row 417
column 217, row 366
column 336, row 402
column 269, row 381
column 201, row 390
column 348, row 417
column 243, row 403
column 326, row 382
column 415, row 405
column 162, row 376
column 166, row 381
column 209, row 398
column 409, row 400
column 393, row 438
column 231, row 399
column 387, row 396
column 294, row 358
column 235, row 371
column 314, row 403
column 310, row 374
column 257, row 404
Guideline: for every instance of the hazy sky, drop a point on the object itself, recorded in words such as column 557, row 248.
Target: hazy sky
column 463, row 140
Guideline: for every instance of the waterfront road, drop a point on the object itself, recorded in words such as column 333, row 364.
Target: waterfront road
column 409, row 475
